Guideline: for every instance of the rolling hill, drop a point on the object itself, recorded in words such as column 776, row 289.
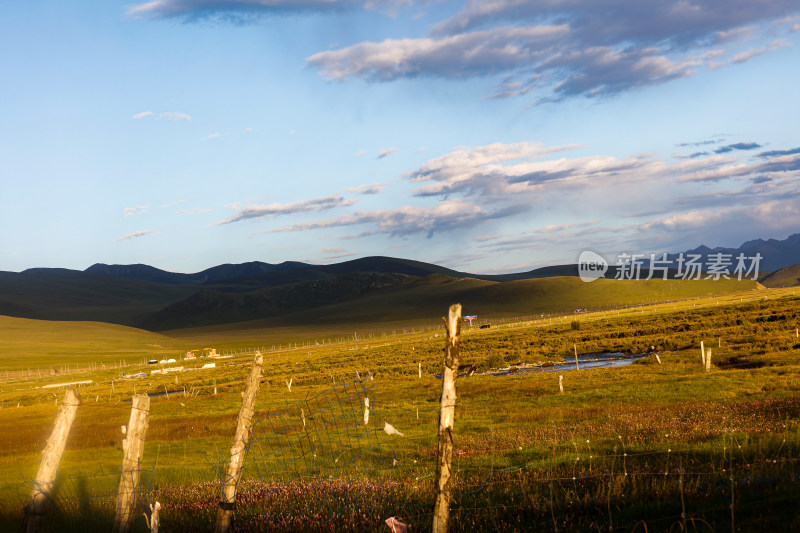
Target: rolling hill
column 50, row 294
column 209, row 307
column 423, row 298
column 370, row 288
column 785, row 277
column 428, row 296
column 29, row 343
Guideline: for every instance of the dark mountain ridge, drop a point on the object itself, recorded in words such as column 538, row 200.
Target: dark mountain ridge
column 145, row 296
column 210, row 275
column 775, row 254
column 208, row 307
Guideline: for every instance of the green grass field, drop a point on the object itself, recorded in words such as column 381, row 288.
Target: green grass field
column 785, row 277
column 628, row 448
column 28, row 343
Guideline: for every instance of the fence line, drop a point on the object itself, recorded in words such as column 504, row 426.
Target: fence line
column 328, row 438
column 539, row 319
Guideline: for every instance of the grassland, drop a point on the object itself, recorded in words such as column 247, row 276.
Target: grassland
column 556, row 295
column 614, row 450
column 785, row 277
column 40, row 344
column 330, row 297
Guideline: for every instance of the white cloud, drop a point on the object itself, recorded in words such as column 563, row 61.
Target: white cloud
column 725, row 223
column 482, row 170
column 216, row 135
column 373, row 188
column 173, row 116
column 688, row 220
column 238, row 11
column 489, row 237
column 755, row 52
column 277, row 209
column 560, row 49
column 684, row 194
column 166, row 115
column 551, row 235
column 133, row 211
column 136, row 234
column 747, row 55
column 506, row 171
column 409, row 220
column 387, row 152
column 457, row 56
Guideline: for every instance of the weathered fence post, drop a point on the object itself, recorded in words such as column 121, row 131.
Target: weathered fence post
column 441, row 511
column 234, row 469
column 708, row 359
column 561, row 384
column 51, row 456
column 153, row 521
column 575, row 349
column 133, row 449
column 703, row 352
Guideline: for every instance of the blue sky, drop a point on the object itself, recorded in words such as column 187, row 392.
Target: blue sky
column 487, row 137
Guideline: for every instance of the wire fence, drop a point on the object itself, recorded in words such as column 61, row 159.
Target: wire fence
column 316, row 466
column 78, row 502
column 327, row 436
column 349, row 456
column 551, row 317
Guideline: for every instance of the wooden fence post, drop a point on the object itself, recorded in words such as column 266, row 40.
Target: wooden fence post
column 575, row 349
column 441, row 511
column 133, row 449
column 234, row 470
column 51, row 456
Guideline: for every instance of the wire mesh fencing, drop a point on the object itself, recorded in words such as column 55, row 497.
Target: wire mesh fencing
column 330, row 450
column 76, row 502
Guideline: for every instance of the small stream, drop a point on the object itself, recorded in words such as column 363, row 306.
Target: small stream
column 156, row 394
column 585, row 362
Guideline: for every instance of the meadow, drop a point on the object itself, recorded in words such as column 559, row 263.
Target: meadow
column 653, row 446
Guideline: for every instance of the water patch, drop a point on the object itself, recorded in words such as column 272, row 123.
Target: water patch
column 155, row 394
column 585, row 362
